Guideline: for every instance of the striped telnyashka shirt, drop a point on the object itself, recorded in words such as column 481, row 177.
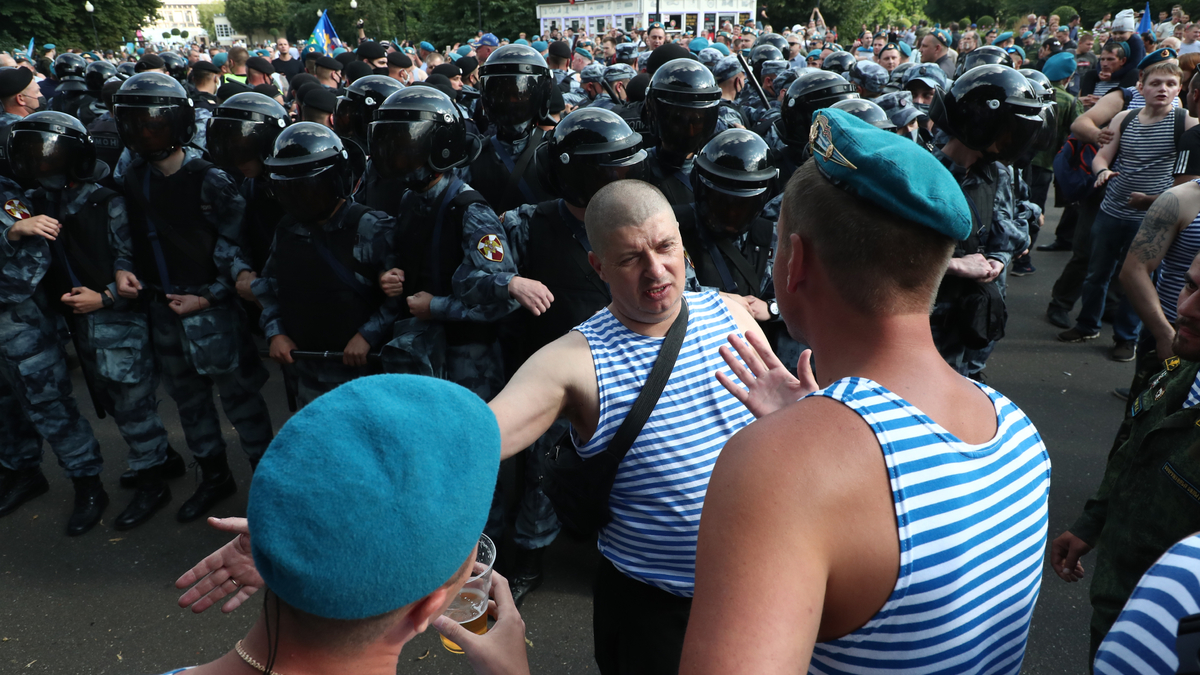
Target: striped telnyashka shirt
column 1172, row 271
column 660, row 486
column 1142, row 641
column 972, row 526
column 1145, row 160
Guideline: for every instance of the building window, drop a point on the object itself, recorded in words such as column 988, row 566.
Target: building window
column 189, row 18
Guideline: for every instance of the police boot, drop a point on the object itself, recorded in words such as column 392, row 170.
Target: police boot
column 173, row 468
column 527, row 573
column 152, row 494
column 18, row 487
column 216, row 483
column 90, row 502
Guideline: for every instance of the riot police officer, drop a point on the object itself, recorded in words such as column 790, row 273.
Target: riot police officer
column 614, row 80
column 71, row 93
column 451, row 249
column 515, row 84
column 867, row 111
column 681, row 107
column 97, row 73
column 759, row 55
column 812, row 90
column 176, row 66
column 111, row 335
column 982, row 56
column 103, row 131
column 319, row 289
column 839, row 63
column 185, row 217
column 355, row 109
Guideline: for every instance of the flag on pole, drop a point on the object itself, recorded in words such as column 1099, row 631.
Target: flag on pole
column 324, row 36
column 1145, row 26
column 29, row 50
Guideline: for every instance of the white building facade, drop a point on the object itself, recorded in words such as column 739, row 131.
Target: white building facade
column 698, row 17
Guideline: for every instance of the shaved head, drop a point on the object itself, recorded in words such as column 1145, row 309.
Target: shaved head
column 623, row 203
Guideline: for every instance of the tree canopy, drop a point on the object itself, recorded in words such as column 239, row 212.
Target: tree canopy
column 65, row 23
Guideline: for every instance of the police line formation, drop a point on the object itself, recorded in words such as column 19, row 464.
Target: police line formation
column 584, row 251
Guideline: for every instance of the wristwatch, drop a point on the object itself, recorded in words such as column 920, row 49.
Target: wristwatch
column 773, row 309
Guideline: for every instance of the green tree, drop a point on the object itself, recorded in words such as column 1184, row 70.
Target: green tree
column 66, row 24
column 206, row 11
column 256, row 16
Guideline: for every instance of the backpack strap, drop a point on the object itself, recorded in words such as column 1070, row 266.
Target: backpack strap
column 1133, row 112
column 1180, row 118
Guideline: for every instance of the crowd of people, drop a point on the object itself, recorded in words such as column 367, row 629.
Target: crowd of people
column 727, row 300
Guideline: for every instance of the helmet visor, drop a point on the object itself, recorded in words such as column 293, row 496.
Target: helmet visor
column 512, row 100
column 399, row 149
column 343, row 117
column 1016, row 133
column 581, row 180
column 309, row 198
column 233, row 143
column 728, row 213
column 38, row 157
column 146, row 130
column 684, row 130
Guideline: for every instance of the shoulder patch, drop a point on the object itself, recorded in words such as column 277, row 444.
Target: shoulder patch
column 1171, row 363
column 17, row 209
column 489, row 247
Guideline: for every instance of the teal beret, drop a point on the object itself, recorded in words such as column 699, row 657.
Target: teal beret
column 1157, row 56
column 814, row 53
column 339, row 50
column 720, row 46
column 373, row 495
column 1060, row 66
column 905, row 49
column 1027, row 34
column 220, row 58
column 1016, row 49
column 697, row 44
column 464, row 50
column 521, row 41
column 540, row 47
column 1006, row 35
column 584, row 53
column 48, row 46
column 890, row 170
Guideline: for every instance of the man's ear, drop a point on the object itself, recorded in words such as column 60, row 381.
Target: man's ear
column 594, row 261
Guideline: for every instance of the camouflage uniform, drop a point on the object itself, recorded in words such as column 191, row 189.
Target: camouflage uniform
column 576, row 96
column 214, row 346
column 35, row 387
column 1148, row 497
column 479, row 287
column 114, row 346
column 727, row 118
column 374, row 248
column 603, row 100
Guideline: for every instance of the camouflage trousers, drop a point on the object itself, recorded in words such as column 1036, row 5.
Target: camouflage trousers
column 314, row 378
column 226, row 342
column 35, row 397
column 115, row 349
column 536, row 523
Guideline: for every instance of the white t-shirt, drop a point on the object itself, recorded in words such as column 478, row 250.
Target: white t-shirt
column 1185, row 48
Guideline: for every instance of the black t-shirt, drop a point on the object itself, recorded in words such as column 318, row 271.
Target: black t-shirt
column 1187, row 162
column 289, row 68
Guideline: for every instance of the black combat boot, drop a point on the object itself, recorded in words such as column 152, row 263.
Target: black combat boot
column 90, row 502
column 18, row 487
column 216, row 483
column 152, row 494
column 174, row 468
column 527, row 573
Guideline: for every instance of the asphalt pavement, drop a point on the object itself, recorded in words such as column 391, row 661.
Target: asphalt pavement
column 106, row 602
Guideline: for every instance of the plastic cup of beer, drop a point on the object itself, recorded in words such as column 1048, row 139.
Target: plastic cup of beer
column 469, row 609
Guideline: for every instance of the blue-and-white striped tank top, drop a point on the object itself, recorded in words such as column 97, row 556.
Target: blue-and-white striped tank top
column 660, row 486
column 972, row 527
column 1145, row 161
column 1142, row 641
column 1172, row 271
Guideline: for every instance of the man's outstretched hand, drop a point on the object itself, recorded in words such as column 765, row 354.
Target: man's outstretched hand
column 768, row 384
column 228, row 570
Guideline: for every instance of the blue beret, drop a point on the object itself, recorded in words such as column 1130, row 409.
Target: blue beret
column 618, row 71
column 899, row 107
column 890, row 170
column 709, row 57
column 489, row 40
column 339, row 50
column 728, row 67
column 942, row 36
column 593, row 72
column 1006, row 35
column 373, row 495
column 905, row 49
column 930, row 74
column 720, row 46
column 427, row 47
column 540, row 47
column 1027, row 34
column 584, row 53
column 464, row 50
column 697, row 44
column 1060, row 66
column 773, row 67
column 48, row 46
column 1157, row 56
column 454, row 56
column 220, row 58
column 521, row 41
column 1016, row 49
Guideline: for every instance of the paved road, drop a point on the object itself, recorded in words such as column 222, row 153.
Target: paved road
column 105, row 602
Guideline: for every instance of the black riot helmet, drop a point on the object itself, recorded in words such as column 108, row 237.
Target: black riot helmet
column 69, row 65
column 980, row 56
column 243, row 130
column 1048, row 134
column 1037, row 78
column 760, row 55
column 176, row 65
column 126, row 70
column 154, row 115
column 838, row 62
column 514, row 85
column 775, row 39
column 732, row 180
column 867, row 111
column 682, row 105
column 810, row 92
column 588, row 149
column 309, row 171
column 97, row 73
column 417, row 134
column 992, row 109
column 356, row 107
column 50, row 149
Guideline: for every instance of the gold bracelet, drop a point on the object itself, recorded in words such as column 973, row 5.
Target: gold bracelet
column 250, row 660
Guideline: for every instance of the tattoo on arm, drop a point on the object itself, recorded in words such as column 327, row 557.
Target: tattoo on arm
column 1157, row 230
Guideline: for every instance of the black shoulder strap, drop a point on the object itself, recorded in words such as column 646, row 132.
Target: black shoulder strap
column 632, row 425
column 101, row 195
column 198, row 165
column 1180, row 118
column 1133, row 112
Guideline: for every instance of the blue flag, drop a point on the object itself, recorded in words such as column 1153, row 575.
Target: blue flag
column 324, row 36
column 29, row 51
column 1145, row 26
